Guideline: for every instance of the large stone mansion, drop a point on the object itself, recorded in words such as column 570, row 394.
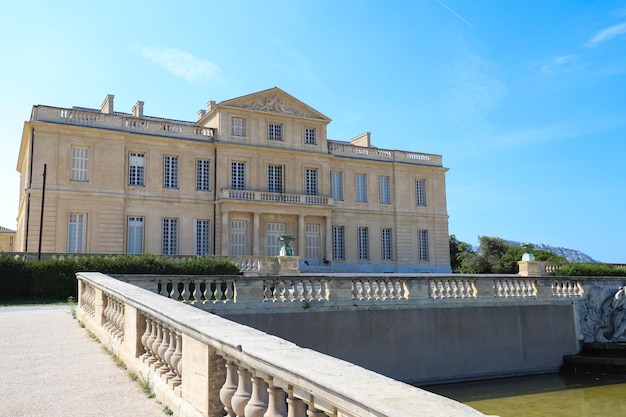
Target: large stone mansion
column 247, row 170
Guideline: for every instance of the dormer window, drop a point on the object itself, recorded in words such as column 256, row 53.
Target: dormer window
column 237, row 126
column 274, row 131
column 310, row 137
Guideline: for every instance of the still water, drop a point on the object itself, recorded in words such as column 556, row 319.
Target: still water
column 542, row 396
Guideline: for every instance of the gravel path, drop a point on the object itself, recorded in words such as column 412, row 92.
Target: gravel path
column 50, row 367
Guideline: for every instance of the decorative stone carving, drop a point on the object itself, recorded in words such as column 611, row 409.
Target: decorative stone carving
column 604, row 317
column 274, row 104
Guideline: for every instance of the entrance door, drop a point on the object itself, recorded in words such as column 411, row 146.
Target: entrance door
column 272, row 243
column 312, row 244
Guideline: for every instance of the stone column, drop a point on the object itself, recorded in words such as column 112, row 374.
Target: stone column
column 328, row 250
column 301, row 238
column 256, row 235
column 225, row 232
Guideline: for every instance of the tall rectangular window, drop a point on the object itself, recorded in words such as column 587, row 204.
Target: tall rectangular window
column 338, row 243
column 275, row 179
column 170, row 236
column 310, row 136
column 386, row 244
column 203, row 175
column 238, row 126
column 238, row 238
column 76, row 225
column 272, row 244
column 310, row 181
column 80, row 164
column 384, row 190
column 312, row 241
column 170, row 171
column 422, row 243
column 361, row 188
column 136, row 169
column 420, row 193
column 135, row 235
column 274, row 131
column 336, row 182
column 362, row 243
column 238, row 175
column 201, row 237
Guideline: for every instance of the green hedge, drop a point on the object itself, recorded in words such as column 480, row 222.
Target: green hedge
column 56, row 279
column 589, row 270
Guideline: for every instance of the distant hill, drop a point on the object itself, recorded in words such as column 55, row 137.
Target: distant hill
column 571, row 255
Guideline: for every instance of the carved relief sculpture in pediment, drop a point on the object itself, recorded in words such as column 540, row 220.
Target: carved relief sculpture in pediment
column 275, row 104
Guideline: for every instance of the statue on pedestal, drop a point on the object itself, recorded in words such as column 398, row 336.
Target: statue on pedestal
column 286, row 250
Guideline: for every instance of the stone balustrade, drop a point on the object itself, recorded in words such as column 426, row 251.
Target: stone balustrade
column 354, row 151
column 241, row 293
column 251, row 195
column 123, row 122
column 199, row 364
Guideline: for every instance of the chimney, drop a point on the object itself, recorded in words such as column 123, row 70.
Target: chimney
column 201, row 114
column 107, row 104
column 210, row 105
column 138, row 110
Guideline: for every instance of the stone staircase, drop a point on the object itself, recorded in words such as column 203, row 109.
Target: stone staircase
column 597, row 357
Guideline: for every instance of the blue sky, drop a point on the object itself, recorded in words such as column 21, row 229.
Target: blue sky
column 526, row 101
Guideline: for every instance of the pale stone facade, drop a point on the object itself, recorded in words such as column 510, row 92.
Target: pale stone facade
column 7, row 239
column 247, row 170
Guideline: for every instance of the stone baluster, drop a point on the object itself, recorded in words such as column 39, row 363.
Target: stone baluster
column 267, row 290
column 367, row 290
column 208, row 294
column 230, row 290
column 257, row 405
column 318, row 289
column 229, row 388
column 276, row 404
column 174, row 290
column 184, row 294
column 106, row 313
column 295, row 407
column 144, row 339
column 243, row 393
column 196, row 295
column 308, row 290
column 171, row 348
column 163, row 347
column 353, row 289
column 222, row 291
column 177, row 364
column 460, row 288
column 156, row 360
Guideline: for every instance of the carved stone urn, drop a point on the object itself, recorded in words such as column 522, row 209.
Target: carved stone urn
column 286, row 250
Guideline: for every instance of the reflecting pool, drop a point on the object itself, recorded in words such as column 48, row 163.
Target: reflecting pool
column 551, row 395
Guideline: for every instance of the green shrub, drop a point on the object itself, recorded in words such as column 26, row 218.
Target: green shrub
column 589, row 270
column 13, row 275
column 56, row 279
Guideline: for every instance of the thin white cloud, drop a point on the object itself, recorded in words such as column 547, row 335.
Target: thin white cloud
column 560, row 62
column 182, row 64
column 455, row 13
column 606, row 34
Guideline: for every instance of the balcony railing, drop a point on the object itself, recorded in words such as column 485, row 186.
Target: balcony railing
column 124, row 122
column 348, row 150
column 200, row 364
column 248, row 195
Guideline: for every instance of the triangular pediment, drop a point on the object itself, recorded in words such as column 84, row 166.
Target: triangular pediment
column 276, row 101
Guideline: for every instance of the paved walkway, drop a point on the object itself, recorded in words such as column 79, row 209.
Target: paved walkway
column 50, row 367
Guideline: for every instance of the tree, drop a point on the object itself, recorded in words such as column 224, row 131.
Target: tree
column 457, row 250
column 497, row 256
